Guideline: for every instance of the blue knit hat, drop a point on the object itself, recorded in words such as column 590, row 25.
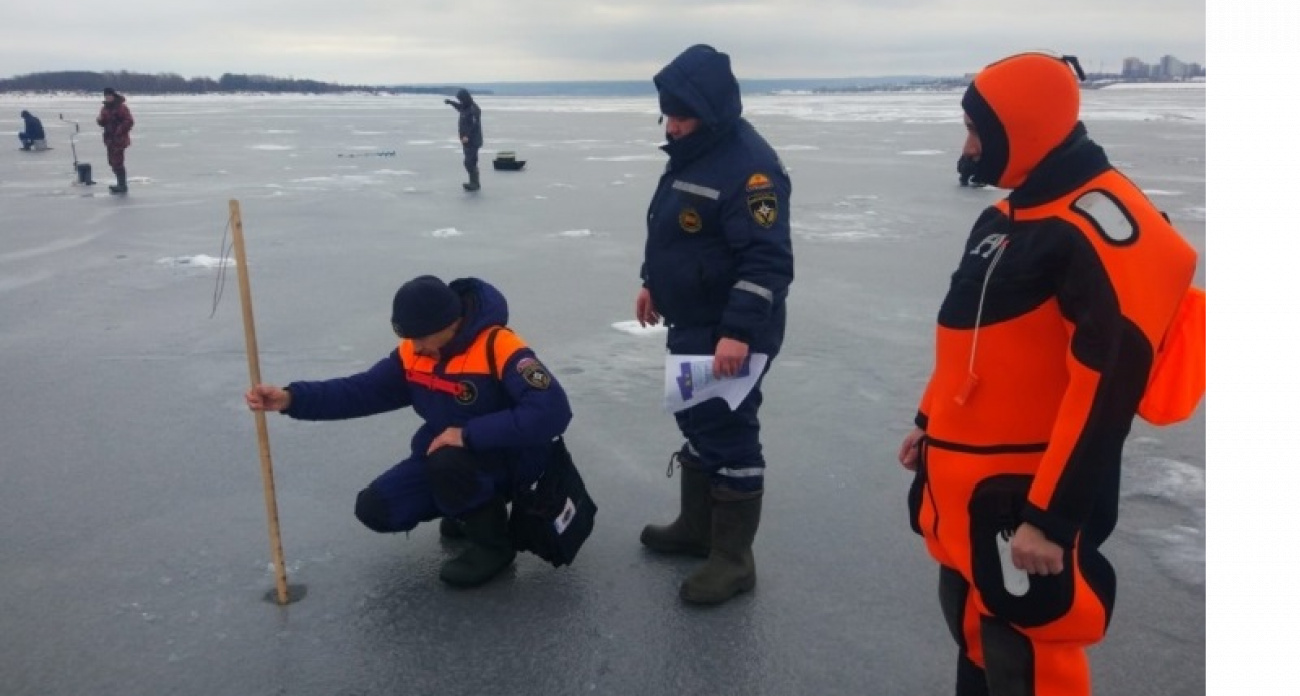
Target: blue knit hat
column 424, row 306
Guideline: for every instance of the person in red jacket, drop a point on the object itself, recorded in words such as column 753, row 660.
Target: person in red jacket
column 116, row 120
column 1043, row 351
column 491, row 413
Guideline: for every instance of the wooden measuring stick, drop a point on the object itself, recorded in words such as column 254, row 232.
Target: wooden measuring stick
column 255, row 376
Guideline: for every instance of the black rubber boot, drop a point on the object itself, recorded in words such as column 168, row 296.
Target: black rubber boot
column 730, row 568
column 451, row 529
column 687, row 535
column 473, row 180
column 121, row 182
column 489, row 550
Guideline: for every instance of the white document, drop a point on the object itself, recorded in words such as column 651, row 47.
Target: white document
column 689, row 380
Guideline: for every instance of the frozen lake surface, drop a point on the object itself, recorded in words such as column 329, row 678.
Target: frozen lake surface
column 133, row 543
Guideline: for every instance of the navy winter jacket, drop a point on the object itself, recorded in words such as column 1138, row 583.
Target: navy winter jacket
column 470, row 124
column 32, row 127
column 511, row 416
column 718, row 257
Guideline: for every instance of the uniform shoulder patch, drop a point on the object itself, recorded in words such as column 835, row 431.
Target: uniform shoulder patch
column 534, row 373
column 757, row 182
column 763, row 208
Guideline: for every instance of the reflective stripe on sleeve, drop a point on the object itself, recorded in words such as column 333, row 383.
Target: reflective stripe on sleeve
column 754, row 288
column 688, row 187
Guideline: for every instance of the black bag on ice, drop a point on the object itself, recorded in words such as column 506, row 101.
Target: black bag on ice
column 554, row 516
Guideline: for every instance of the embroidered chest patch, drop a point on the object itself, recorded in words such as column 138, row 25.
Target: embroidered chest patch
column 533, row 373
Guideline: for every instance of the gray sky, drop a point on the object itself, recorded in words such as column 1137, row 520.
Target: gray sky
column 433, row 41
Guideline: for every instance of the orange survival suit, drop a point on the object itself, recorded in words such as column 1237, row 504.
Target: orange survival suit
column 1044, row 346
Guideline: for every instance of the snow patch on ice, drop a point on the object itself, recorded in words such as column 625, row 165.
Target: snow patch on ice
column 634, row 327
column 269, row 147
column 445, row 232
column 575, row 234
column 197, row 261
column 925, row 153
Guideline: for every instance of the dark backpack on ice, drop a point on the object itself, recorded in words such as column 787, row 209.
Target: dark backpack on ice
column 555, row 515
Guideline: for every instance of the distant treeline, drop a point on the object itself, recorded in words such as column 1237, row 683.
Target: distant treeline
column 171, row 83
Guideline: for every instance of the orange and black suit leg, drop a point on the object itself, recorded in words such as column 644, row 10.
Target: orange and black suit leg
column 963, row 623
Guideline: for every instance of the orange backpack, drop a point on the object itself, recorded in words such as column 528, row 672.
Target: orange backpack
column 1177, row 382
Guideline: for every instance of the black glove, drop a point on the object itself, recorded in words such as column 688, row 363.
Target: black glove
column 451, row 102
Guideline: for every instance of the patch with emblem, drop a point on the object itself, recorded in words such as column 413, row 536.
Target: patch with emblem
column 533, row 373
column 690, row 220
column 762, row 207
column 466, row 394
column 757, row 182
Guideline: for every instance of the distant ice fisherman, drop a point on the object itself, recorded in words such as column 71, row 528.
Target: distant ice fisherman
column 32, row 136
column 470, row 129
column 116, row 120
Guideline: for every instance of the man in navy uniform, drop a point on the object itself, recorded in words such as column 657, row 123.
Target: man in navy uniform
column 491, row 411
column 718, row 264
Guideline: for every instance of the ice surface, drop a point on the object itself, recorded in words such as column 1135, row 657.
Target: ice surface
column 133, row 540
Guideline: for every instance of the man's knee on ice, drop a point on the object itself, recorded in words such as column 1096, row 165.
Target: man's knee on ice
column 372, row 511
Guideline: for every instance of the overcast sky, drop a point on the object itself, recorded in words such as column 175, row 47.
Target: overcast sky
column 435, row 41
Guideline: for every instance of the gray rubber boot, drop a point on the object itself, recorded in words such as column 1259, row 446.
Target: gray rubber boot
column 730, row 568
column 687, row 535
column 489, row 550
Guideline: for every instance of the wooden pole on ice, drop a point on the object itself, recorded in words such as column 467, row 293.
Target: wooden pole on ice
column 255, row 376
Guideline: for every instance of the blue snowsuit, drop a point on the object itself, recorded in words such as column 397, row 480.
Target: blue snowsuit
column 32, row 130
column 509, row 418
column 718, row 258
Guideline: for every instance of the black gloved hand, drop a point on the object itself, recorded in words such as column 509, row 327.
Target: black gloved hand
column 451, row 102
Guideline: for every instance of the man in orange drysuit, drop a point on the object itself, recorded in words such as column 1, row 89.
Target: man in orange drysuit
column 1044, row 346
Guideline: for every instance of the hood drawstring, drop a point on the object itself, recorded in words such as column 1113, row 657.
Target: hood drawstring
column 972, row 379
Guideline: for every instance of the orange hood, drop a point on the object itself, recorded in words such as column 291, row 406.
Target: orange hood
column 1023, row 107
